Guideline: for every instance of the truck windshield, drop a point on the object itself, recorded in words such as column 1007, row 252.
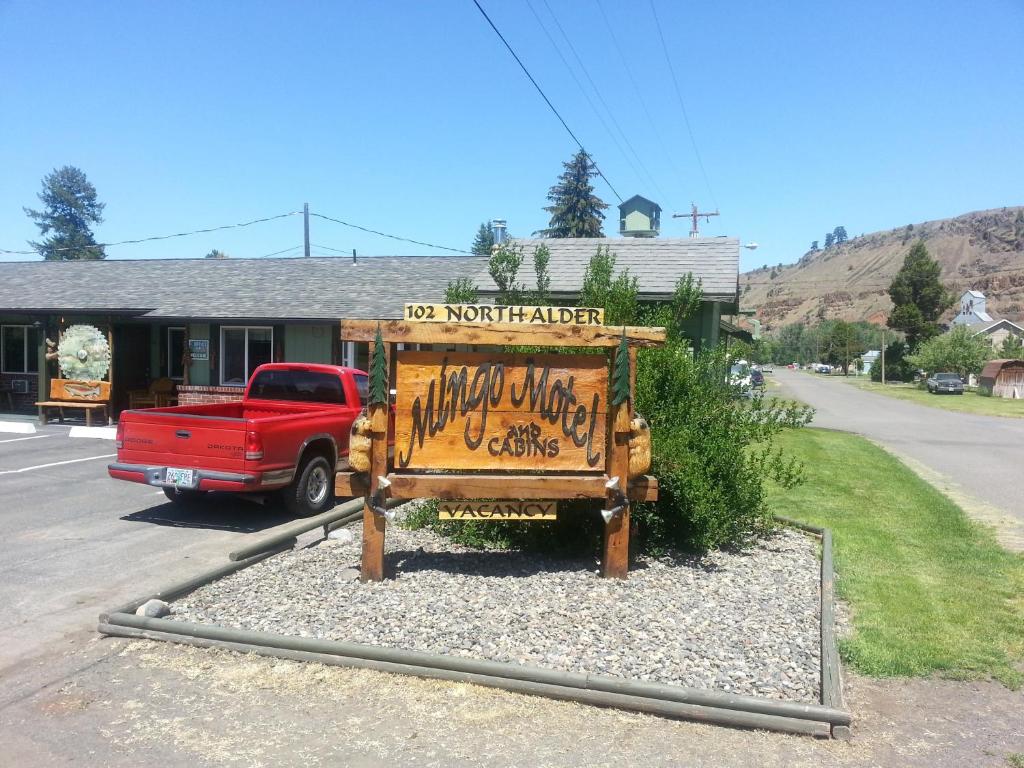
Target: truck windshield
column 947, row 377
column 298, row 386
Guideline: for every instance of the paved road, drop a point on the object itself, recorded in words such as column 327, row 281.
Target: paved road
column 984, row 455
column 76, row 542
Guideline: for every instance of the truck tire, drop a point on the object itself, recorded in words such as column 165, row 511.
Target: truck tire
column 313, row 490
column 183, row 497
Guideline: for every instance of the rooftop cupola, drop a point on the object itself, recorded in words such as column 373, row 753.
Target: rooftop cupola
column 639, row 217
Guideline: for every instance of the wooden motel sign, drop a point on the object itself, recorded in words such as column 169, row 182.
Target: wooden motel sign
column 479, row 410
column 497, row 435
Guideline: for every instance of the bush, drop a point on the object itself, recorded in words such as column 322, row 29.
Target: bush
column 959, row 351
column 897, row 366
column 711, row 451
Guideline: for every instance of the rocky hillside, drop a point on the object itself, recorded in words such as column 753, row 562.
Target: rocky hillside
column 982, row 250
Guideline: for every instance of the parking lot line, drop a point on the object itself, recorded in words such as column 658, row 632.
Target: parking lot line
column 55, row 464
column 16, row 439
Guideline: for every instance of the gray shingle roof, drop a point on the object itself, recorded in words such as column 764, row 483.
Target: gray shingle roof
column 294, row 288
column 657, row 263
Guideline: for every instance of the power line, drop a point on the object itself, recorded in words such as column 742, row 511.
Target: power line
column 638, row 90
column 277, row 253
column 682, row 106
column 385, row 234
column 329, row 248
column 597, row 91
column 159, row 237
column 546, row 99
column 586, row 94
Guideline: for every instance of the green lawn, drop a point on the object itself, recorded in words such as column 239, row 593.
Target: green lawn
column 930, row 591
column 969, row 402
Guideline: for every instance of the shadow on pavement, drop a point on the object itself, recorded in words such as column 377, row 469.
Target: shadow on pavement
column 222, row 513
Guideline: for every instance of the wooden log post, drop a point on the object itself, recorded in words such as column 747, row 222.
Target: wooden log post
column 374, row 524
column 615, row 558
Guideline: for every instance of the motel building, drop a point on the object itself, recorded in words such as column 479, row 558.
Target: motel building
column 193, row 330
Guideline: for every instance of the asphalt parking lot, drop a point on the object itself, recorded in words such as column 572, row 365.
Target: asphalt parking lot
column 76, row 542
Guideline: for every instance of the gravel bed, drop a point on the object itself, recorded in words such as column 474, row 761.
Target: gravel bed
column 738, row 622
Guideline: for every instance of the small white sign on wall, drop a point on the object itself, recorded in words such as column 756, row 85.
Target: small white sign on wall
column 199, row 349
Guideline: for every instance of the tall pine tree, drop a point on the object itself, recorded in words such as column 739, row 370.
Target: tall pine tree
column 70, row 207
column 483, row 241
column 575, row 210
column 918, row 298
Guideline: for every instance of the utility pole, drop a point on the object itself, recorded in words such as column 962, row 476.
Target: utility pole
column 883, row 356
column 305, row 226
column 694, row 215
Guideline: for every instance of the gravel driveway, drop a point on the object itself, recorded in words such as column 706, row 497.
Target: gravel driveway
column 740, row 622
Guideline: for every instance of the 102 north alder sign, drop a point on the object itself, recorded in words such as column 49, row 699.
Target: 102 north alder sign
column 499, row 431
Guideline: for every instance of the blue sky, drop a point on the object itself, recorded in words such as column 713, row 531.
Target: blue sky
column 412, row 118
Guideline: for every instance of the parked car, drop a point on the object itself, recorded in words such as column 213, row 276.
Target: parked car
column 288, row 433
column 945, row 382
column 768, row 368
column 822, row 368
column 739, row 374
column 756, row 379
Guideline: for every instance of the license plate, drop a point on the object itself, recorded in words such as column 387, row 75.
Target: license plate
column 179, row 477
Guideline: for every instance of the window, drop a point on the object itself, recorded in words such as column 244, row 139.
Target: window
column 241, row 351
column 348, row 354
column 18, row 349
column 363, row 387
column 175, row 353
column 298, row 386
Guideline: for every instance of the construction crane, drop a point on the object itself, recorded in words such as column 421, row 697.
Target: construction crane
column 695, row 215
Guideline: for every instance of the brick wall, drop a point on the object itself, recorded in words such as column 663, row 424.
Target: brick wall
column 197, row 395
column 22, row 402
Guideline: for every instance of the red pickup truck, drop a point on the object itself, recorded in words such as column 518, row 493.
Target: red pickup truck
column 288, row 433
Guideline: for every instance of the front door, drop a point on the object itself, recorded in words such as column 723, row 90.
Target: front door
column 131, row 363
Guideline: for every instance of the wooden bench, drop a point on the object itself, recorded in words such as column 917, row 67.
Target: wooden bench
column 88, row 396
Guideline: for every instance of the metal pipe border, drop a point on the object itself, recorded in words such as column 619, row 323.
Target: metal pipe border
column 831, row 688
column 737, row 718
column 823, row 720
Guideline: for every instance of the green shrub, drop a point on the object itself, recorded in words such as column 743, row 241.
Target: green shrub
column 712, row 452
column 897, row 366
column 958, row 351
